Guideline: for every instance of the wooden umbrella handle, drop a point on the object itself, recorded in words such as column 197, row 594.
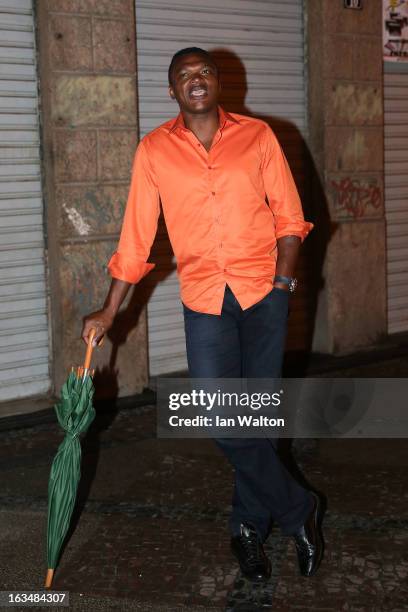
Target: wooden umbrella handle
column 48, row 579
column 89, row 349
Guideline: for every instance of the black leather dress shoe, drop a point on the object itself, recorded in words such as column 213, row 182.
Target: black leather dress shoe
column 309, row 541
column 249, row 551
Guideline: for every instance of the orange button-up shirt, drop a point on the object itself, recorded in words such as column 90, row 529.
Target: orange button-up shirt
column 224, row 210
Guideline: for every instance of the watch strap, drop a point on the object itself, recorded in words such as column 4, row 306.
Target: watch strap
column 290, row 282
column 282, row 279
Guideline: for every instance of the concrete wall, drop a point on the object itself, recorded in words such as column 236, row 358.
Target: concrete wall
column 87, row 64
column 346, row 141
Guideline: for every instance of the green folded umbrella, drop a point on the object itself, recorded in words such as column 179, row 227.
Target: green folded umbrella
column 75, row 412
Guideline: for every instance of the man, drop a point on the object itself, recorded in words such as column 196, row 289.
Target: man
column 235, row 223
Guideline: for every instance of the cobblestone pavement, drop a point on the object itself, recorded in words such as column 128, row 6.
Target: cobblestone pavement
column 150, row 532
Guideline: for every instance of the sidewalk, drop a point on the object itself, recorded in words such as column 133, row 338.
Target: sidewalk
column 152, row 529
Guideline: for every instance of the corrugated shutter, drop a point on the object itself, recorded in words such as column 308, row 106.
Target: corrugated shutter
column 396, row 197
column 24, row 350
column 259, row 46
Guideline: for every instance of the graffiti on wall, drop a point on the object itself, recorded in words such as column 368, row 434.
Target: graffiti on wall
column 354, row 198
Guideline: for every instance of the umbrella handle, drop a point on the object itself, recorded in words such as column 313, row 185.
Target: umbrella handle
column 48, row 579
column 89, row 349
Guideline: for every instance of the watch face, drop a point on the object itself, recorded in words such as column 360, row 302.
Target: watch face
column 293, row 284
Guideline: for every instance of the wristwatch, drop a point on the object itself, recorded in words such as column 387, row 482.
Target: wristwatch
column 287, row 280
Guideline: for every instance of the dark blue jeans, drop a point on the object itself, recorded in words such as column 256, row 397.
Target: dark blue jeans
column 249, row 343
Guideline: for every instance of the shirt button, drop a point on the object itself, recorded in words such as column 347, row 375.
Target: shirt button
column 210, row 167
column 213, row 192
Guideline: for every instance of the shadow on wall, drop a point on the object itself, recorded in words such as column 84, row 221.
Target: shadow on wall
column 310, row 266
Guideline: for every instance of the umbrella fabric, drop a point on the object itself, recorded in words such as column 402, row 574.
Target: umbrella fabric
column 75, row 413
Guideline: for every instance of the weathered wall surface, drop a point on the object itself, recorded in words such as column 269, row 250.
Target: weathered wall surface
column 87, row 61
column 346, row 142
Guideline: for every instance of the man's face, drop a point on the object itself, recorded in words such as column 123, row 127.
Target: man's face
column 195, row 84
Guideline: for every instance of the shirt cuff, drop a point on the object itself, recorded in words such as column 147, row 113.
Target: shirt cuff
column 294, row 229
column 128, row 269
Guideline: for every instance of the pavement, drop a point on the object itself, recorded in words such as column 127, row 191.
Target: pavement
column 150, row 530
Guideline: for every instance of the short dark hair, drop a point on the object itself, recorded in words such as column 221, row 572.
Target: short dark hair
column 189, row 51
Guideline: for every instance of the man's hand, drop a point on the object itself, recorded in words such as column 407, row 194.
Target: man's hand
column 101, row 321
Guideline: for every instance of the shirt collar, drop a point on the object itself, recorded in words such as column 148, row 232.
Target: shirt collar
column 224, row 118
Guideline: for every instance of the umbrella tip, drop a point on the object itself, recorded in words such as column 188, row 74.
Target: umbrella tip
column 48, row 580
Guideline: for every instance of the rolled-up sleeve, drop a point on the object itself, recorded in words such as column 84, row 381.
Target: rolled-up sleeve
column 129, row 262
column 281, row 190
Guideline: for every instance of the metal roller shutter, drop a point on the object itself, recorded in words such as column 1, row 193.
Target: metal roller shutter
column 396, row 197
column 24, row 350
column 259, row 42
